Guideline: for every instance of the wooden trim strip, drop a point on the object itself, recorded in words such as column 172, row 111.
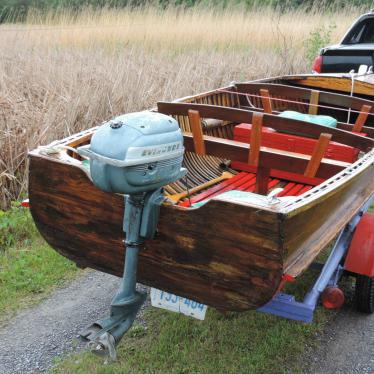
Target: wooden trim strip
column 291, row 126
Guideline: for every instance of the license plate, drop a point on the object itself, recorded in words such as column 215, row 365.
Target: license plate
column 178, row 304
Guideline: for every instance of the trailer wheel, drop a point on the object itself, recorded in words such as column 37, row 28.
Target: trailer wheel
column 364, row 293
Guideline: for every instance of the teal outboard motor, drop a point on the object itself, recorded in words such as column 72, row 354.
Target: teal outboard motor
column 136, row 155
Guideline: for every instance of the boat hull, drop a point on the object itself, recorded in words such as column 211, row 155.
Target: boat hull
column 225, row 255
column 221, row 254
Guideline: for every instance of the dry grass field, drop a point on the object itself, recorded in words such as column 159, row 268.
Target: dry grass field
column 61, row 74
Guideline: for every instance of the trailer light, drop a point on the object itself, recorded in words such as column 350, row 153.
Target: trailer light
column 25, row 203
column 332, row 298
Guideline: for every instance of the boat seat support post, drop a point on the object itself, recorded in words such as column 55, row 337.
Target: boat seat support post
column 317, row 156
column 266, row 101
column 262, row 180
column 197, row 132
column 313, row 103
column 254, row 156
column 361, row 119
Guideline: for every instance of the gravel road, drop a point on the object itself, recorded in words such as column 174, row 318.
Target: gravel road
column 30, row 342
column 346, row 346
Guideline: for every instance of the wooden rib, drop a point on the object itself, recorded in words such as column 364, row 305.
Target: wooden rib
column 281, row 124
column 256, row 133
column 313, row 103
column 197, row 131
column 318, row 152
column 361, row 119
column 266, row 102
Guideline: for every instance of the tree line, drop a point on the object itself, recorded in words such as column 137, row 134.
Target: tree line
column 16, row 10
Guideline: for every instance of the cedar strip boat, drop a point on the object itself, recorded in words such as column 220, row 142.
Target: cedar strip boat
column 222, row 250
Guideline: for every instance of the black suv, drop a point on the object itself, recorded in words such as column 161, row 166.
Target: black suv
column 355, row 49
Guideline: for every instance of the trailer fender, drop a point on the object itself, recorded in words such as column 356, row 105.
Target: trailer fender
column 360, row 257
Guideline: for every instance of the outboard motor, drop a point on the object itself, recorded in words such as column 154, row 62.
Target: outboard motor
column 136, row 155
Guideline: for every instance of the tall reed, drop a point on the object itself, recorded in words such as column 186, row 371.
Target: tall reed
column 63, row 73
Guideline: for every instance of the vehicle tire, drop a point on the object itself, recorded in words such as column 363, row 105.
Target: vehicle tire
column 364, row 293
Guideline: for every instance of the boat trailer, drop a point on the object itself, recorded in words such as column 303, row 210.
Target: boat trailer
column 352, row 255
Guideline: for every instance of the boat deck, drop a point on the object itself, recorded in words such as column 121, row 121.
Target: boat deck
column 246, row 182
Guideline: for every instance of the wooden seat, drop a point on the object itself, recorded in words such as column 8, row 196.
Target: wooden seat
column 293, row 143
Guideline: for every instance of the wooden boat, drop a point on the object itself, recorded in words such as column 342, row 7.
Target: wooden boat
column 227, row 234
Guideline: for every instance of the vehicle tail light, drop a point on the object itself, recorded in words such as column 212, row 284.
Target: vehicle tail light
column 317, row 65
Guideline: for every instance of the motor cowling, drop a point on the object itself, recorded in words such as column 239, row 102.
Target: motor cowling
column 136, row 152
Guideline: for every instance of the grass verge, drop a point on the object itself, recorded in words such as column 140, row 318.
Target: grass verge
column 249, row 342
column 237, row 343
column 29, row 268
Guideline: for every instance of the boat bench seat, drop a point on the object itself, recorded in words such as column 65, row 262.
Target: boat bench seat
column 244, row 181
column 292, row 143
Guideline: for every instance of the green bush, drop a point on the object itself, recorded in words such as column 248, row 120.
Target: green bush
column 16, row 226
column 319, row 38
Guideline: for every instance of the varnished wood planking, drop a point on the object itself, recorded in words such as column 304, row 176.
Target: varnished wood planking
column 337, row 84
column 308, row 232
column 236, row 267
